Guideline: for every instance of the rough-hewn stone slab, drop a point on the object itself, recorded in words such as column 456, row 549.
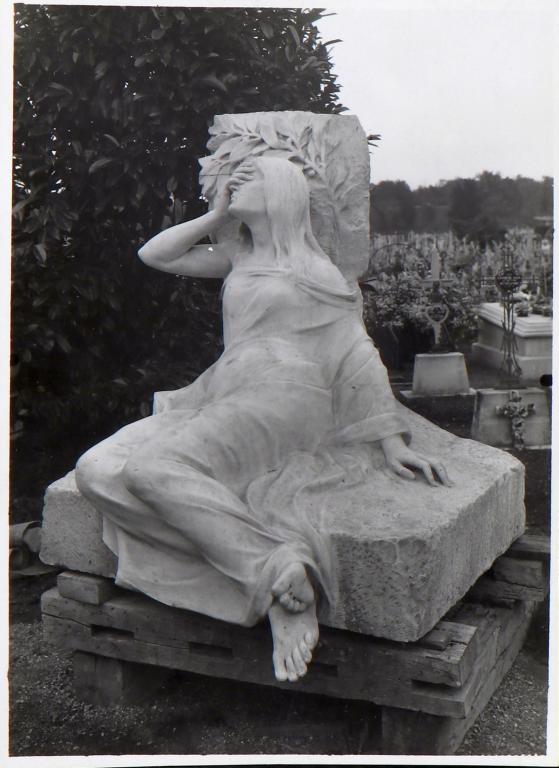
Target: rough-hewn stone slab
column 405, row 551
column 332, row 150
column 72, row 531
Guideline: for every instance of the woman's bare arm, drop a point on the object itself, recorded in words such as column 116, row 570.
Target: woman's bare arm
column 174, row 250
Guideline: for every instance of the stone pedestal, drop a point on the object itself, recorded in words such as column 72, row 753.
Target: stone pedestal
column 405, row 552
column 533, row 336
column 491, row 428
column 439, row 374
column 73, row 531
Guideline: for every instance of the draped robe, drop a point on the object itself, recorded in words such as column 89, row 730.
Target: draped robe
column 204, row 501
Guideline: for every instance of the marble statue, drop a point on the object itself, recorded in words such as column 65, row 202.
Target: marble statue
column 187, row 493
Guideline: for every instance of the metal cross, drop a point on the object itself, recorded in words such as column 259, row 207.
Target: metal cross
column 508, row 280
column 437, row 308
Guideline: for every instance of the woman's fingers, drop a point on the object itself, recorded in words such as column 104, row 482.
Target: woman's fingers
column 433, row 469
column 246, row 165
column 427, row 466
column 237, row 181
column 441, row 472
column 428, row 472
column 401, row 471
column 239, row 177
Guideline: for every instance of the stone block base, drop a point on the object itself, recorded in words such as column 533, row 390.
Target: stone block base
column 404, row 551
column 532, row 367
column 440, row 374
column 73, row 531
column 493, row 429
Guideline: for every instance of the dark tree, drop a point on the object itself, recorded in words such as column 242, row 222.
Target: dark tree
column 392, row 207
column 112, row 108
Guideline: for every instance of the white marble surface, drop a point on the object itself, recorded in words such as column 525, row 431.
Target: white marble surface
column 404, row 551
column 533, row 325
column 282, row 482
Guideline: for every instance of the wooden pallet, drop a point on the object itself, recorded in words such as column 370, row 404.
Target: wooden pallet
column 430, row 691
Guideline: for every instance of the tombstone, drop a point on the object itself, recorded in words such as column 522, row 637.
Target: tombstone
column 533, row 336
column 527, row 411
column 404, row 552
column 438, row 373
column 495, row 412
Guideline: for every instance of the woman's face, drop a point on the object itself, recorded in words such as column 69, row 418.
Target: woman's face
column 247, row 193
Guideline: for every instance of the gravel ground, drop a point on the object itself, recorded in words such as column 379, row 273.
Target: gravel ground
column 196, row 715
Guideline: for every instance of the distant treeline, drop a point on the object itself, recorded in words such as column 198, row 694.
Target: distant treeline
column 480, row 208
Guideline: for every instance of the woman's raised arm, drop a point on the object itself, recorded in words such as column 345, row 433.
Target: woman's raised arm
column 174, row 250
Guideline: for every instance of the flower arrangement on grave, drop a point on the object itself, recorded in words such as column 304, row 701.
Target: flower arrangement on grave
column 396, row 293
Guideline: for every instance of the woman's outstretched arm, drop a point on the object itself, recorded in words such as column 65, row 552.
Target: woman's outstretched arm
column 174, row 250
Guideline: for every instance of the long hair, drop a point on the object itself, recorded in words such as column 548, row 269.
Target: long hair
column 287, row 201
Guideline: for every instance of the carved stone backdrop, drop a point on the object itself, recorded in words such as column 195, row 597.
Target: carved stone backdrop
column 333, row 153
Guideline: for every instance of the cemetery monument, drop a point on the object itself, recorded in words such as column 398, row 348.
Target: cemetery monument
column 287, row 481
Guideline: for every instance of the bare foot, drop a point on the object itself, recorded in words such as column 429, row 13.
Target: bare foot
column 295, row 635
column 293, row 589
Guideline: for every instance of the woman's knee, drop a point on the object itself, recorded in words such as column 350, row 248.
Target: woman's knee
column 93, row 470
column 142, row 473
column 150, row 470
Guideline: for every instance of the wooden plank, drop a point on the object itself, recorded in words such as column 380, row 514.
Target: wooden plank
column 487, row 588
column 528, row 573
column 381, row 683
column 416, row 733
column 152, row 622
column 109, row 681
column 85, row 587
column 347, row 665
column 506, row 619
column 437, row 639
column 497, row 627
column 71, row 634
column 531, row 546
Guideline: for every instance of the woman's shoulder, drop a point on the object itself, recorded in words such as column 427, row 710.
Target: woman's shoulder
column 326, row 275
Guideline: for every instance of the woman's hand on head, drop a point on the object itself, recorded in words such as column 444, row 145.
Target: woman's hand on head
column 223, row 200
column 402, row 461
column 245, row 172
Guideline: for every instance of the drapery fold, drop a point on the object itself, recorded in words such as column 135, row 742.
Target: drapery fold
column 208, row 500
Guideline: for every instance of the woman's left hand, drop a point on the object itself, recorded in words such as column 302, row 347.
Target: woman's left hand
column 401, row 460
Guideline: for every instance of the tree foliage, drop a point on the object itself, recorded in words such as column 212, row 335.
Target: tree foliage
column 112, row 109
column 479, row 208
column 392, row 207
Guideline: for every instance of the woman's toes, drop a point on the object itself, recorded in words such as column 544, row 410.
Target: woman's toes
column 298, row 662
column 286, row 601
column 310, row 640
column 279, row 667
column 305, row 652
column 290, row 603
column 292, row 675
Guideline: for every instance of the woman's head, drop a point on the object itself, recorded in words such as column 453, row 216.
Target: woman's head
column 277, row 189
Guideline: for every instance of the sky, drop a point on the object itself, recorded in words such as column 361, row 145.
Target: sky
column 453, row 87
